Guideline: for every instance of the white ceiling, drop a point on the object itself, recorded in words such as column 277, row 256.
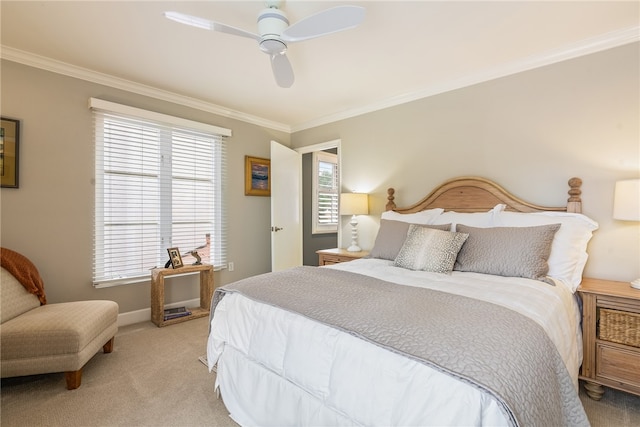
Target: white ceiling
column 402, row 51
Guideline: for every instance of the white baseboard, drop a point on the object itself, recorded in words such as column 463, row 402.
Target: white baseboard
column 144, row 315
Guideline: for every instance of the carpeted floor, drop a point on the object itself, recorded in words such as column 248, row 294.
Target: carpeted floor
column 155, row 377
column 615, row 409
column 152, row 378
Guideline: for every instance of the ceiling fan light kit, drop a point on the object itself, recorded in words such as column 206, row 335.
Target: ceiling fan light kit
column 274, row 31
column 271, row 24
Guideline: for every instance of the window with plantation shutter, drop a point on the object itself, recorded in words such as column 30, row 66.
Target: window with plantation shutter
column 325, row 192
column 160, row 183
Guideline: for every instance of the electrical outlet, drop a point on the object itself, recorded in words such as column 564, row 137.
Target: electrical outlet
column 231, row 267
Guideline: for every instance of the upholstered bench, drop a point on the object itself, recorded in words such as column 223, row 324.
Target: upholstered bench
column 38, row 339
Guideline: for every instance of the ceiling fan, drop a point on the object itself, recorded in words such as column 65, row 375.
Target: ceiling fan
column 274, row 31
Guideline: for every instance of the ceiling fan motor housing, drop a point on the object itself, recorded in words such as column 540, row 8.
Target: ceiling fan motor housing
column 271, row 23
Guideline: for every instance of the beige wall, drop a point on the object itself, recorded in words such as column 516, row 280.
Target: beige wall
column 49, row 218
column 529, row 132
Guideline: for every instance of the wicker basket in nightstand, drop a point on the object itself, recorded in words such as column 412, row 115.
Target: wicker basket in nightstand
column 619, row 326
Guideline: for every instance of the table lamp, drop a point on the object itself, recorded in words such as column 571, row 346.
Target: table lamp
column 354, row 204
column 626, row 206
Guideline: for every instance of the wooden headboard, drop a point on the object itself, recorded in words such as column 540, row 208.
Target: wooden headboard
column 474, row 194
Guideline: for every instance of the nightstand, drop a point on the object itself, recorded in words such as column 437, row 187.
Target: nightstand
column 337, row 255
column 611, row 336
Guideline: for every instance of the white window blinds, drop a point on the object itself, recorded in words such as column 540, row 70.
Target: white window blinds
column 325, row 192
column 160, row 183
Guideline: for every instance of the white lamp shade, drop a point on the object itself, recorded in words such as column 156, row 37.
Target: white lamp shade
column 354, row 204
column 626, row 200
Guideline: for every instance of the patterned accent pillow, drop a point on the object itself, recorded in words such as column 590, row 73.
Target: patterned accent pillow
column 391, row 237
column 428, row 249
column 507, row 251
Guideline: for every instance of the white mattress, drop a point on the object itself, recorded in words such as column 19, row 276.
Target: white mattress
column 277, row 368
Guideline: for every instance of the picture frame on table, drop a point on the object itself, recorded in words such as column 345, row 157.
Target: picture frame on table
column 257, row 176
column 9, row 152
column 175, row 258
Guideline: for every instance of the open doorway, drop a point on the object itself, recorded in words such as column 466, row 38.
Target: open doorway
column 317, row 237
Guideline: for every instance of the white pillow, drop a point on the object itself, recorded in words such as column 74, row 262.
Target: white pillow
column 475, row 219
column 422, row 217
column 569, row 248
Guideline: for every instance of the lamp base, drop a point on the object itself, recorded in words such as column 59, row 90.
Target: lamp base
column 636, row 284
column 354, row 235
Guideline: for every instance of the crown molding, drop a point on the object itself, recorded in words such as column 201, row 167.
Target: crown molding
column 581, row 48
column 48, row 64
column 584, row 47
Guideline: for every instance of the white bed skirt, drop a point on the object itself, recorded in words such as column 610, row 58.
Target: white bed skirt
column 271, row 381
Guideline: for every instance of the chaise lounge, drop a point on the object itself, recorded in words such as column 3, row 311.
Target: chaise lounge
column 39, row 338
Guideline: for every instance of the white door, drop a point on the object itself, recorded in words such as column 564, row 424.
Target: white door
column 286, row 207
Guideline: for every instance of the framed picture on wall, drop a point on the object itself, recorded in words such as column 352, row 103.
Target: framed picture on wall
column 257, row 176
column 9, row 144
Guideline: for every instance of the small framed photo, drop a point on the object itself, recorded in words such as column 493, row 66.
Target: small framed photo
column 9, row 144
column 257, row 176
column 175, row 258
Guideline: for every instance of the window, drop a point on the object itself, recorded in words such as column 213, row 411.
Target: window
column 325, row 192
column 160, row 183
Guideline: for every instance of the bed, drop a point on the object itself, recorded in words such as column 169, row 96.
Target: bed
column 464, row 313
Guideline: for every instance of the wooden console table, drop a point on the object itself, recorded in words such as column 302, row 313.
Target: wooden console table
column 157, row 292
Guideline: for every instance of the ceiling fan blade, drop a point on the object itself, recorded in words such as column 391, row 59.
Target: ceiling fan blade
column 282, row 70
column 323, row 23
column 206, row 24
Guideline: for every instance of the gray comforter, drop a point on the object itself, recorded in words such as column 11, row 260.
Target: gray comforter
column 497, row 350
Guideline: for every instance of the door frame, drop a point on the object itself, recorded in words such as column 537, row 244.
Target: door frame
column 337, row 144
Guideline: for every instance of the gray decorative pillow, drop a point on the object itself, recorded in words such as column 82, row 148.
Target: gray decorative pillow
column 391, row 237
column 428, row 249
column 507, row 251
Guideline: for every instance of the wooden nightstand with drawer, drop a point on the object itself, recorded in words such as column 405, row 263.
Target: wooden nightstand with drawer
column 611, row 336
column 337, row 255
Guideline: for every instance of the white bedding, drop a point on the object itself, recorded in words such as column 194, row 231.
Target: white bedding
column 277, row 368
